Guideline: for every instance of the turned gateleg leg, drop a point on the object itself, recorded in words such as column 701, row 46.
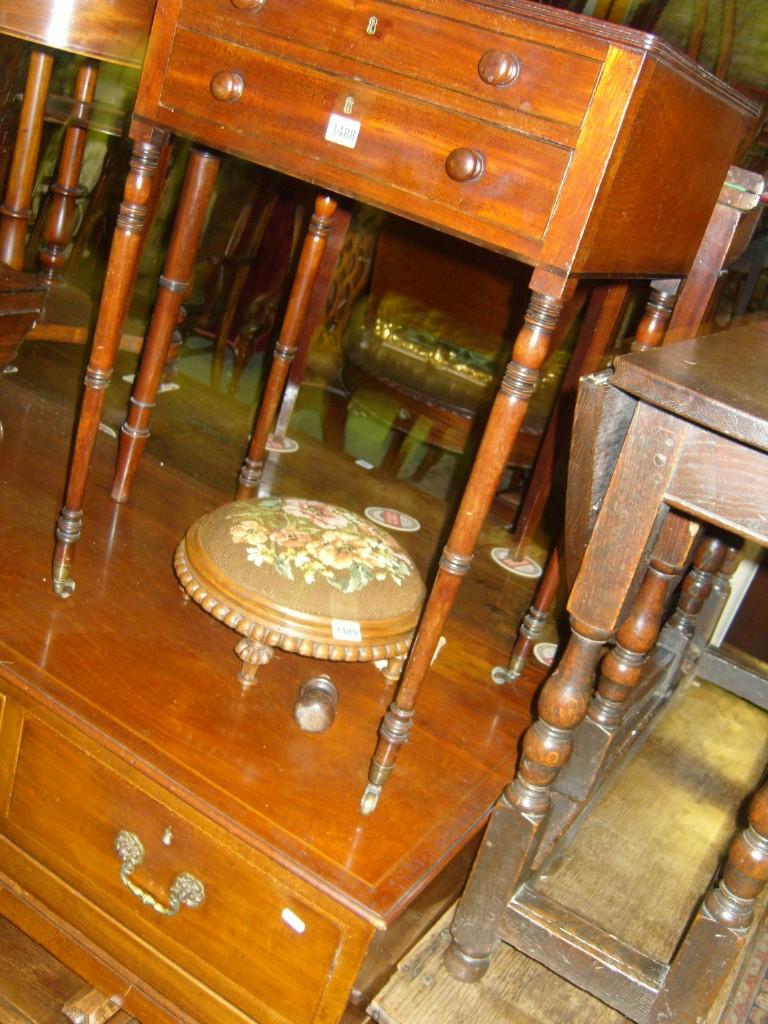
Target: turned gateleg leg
column 656, row 315
column 611, row 569
column 521, row 814
column 285, row 349
column 622, row 666
column 601, row 324
column 15, row 211
column 698, row 584
column 66, row 189
column 117, row 292
column 721, row 926
column 195, row 196
column 503, row 426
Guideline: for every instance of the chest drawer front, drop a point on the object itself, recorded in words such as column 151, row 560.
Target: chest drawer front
column 253, row 939
column 537, row 80
column 400, row 144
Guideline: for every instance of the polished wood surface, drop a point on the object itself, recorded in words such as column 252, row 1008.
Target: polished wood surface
column 558, row 171
column 103, row 29
column 265, row 815
column 564, row 190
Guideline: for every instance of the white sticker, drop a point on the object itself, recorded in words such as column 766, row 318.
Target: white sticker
column 345, row 629
column 293, row 920
column 343, row 131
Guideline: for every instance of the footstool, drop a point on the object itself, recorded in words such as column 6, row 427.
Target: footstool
column 303, row 576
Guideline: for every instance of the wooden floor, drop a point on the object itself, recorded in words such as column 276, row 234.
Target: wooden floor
column 149, row 672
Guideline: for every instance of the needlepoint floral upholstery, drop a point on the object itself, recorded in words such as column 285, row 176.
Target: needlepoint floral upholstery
column 305, row 576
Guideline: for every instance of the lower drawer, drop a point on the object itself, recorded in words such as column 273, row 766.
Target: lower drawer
column 258, row 938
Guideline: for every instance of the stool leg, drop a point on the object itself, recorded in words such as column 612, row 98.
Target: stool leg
column 15, row 212
column 117, row 291
column 61, row 216
column 301, row 293
column 503, row 426
column 252, row 655
column 196, row 192
column 720, row 928
column 393, row 669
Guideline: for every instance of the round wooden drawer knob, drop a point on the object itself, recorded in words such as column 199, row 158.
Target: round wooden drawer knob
column 248, row 5
column 464, row 164
column 498, row 68
column 226, row 86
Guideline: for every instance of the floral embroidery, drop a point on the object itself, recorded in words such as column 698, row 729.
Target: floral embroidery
column 312, row 540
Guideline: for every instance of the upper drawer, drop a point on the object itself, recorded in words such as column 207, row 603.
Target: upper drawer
column 280, row 115
column 537, row 80
column 255, row 939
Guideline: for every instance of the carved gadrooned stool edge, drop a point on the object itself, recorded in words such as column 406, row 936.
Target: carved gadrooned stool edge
column 272, row 636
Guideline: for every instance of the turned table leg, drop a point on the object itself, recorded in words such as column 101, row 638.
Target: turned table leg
column 612, row 567
column 117, row 291
column 59, row 223
column 650, row 333
column 605, row 312
column 15, row 211
column 195, row 196
column 285, row 349
column 621, row 669
column 503, row 426
column 521, row 814
column 721, row 926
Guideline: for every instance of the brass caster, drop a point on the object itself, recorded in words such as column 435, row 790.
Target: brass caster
column 64, row 588
column 370, row 798
column 501, row 676
column 463, row 967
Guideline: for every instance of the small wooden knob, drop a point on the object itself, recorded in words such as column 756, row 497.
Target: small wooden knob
column 498, row 68
column 249, row 5
column 464, row 164
column 226, row 86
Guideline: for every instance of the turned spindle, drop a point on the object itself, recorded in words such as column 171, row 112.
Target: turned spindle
column 285, row 349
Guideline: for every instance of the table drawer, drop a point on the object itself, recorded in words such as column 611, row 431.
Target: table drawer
column 255, row 940
column 537, row 80
column 401, row 144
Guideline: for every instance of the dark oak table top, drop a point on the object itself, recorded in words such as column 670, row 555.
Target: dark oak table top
column 720, row 381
